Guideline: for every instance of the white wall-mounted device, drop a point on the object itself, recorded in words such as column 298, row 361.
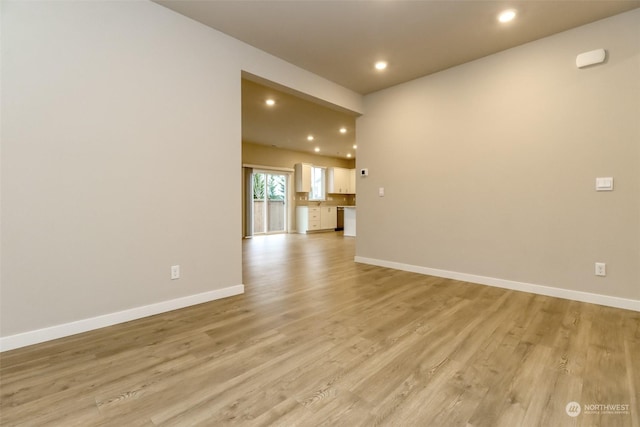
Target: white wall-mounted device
column 604, row 184
column 590, row 58
column 175, row 272
column 364, row 172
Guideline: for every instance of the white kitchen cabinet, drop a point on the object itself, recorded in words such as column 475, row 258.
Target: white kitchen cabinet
column 316, row 218
column 328, row 218
column 352, row 181
column 339, row 181
column 307, row 219
column 303, row 177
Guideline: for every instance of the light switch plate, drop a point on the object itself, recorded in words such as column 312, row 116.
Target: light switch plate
column 604, row 184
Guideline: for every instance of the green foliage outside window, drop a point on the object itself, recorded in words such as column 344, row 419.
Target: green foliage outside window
column 274, row 187
column 258, row 186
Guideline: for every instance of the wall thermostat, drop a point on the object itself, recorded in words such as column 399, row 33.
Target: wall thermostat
column 604, row 184
column 364, row 172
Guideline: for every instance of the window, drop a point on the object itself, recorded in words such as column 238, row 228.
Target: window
column 317, row 183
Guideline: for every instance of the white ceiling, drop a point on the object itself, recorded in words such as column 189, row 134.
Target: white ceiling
column 341, row 40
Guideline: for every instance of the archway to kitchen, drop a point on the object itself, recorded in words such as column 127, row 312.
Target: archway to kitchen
column 282, row 128
column 291, row 129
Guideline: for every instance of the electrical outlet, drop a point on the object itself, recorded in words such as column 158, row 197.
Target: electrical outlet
column 601, row 269
column 175, row 272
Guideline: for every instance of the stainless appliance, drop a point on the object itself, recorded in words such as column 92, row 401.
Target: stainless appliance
column 340, row 223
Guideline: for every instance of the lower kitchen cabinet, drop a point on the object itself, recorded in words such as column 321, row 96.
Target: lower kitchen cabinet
column 328, row 218
column 316, row 218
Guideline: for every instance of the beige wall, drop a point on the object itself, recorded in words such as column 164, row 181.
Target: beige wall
column 489, row 168
column 278, row 157
column 121, row 127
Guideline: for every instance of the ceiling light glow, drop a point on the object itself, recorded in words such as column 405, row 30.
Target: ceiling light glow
column 317, row 149
column 270, row 102
column 343, row 130
column 381, row 65
column 355, row 146
column 507, row 16
column 349, row 155
column 310, row 138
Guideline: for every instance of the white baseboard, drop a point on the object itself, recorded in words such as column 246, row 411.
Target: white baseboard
column 628, row 304
column 59, row 331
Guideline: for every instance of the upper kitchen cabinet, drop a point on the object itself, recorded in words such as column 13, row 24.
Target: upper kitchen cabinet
column 341, row 181
column 303, row 177
column 352, row 181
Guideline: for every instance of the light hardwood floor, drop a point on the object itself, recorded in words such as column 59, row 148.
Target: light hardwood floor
column 320, row 340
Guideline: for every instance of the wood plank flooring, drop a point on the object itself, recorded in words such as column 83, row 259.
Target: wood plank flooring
column 320, row 340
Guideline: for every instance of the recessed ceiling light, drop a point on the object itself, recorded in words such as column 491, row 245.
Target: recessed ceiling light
column 381, row 65
column 507, row 15
column 355, row 146
column 310, row 138
column 349, row 155
column 270, row 102
column 317, row 149
column 343, row 130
